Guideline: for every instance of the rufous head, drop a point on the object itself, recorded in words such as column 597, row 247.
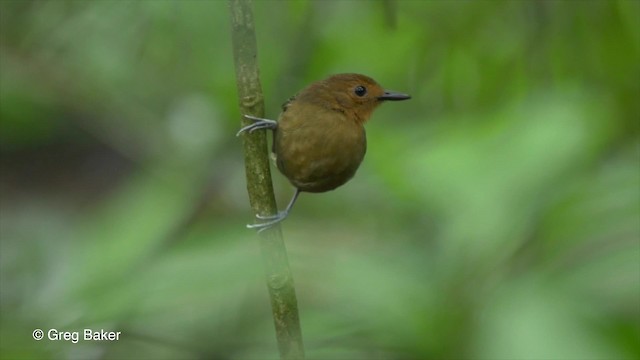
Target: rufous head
column 356, row 95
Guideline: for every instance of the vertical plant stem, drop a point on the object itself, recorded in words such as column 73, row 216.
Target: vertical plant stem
column 284, row 304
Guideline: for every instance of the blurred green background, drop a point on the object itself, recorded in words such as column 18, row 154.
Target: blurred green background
column 496, row 215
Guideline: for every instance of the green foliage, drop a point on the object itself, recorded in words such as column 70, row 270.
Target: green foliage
column 496, row 215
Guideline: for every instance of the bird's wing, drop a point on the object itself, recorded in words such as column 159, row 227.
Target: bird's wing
column 288, row 102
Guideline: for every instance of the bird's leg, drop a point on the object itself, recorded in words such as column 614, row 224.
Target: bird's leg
column 259, row 123
column 274, row 219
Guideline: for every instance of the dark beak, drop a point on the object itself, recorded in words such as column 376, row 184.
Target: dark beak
column 394, row 96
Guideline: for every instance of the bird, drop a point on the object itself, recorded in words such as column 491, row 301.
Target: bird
column 319, row 140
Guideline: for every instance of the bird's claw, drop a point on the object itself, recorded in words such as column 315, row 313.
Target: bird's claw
column 279, row 215
column 260, row 123
column 273, row 219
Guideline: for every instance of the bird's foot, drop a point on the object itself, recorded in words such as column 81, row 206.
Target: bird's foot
column 272, row 220
column 259, row 123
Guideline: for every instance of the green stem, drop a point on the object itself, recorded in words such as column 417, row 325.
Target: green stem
column 282, row 292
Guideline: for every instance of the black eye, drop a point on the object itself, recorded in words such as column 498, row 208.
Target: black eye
column 360, row 90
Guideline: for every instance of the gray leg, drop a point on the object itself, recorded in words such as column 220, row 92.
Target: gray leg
column 274, row 219
column 259, row 123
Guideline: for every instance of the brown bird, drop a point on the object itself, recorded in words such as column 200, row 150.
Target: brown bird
column 319, row 139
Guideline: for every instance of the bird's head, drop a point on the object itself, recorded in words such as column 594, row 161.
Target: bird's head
column 357, row 95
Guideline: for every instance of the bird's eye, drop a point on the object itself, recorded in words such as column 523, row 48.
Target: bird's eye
column 360, row 90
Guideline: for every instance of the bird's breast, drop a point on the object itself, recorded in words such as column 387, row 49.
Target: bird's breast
column 318, row 150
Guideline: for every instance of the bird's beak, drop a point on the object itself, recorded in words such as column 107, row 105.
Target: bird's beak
column 394, row 96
